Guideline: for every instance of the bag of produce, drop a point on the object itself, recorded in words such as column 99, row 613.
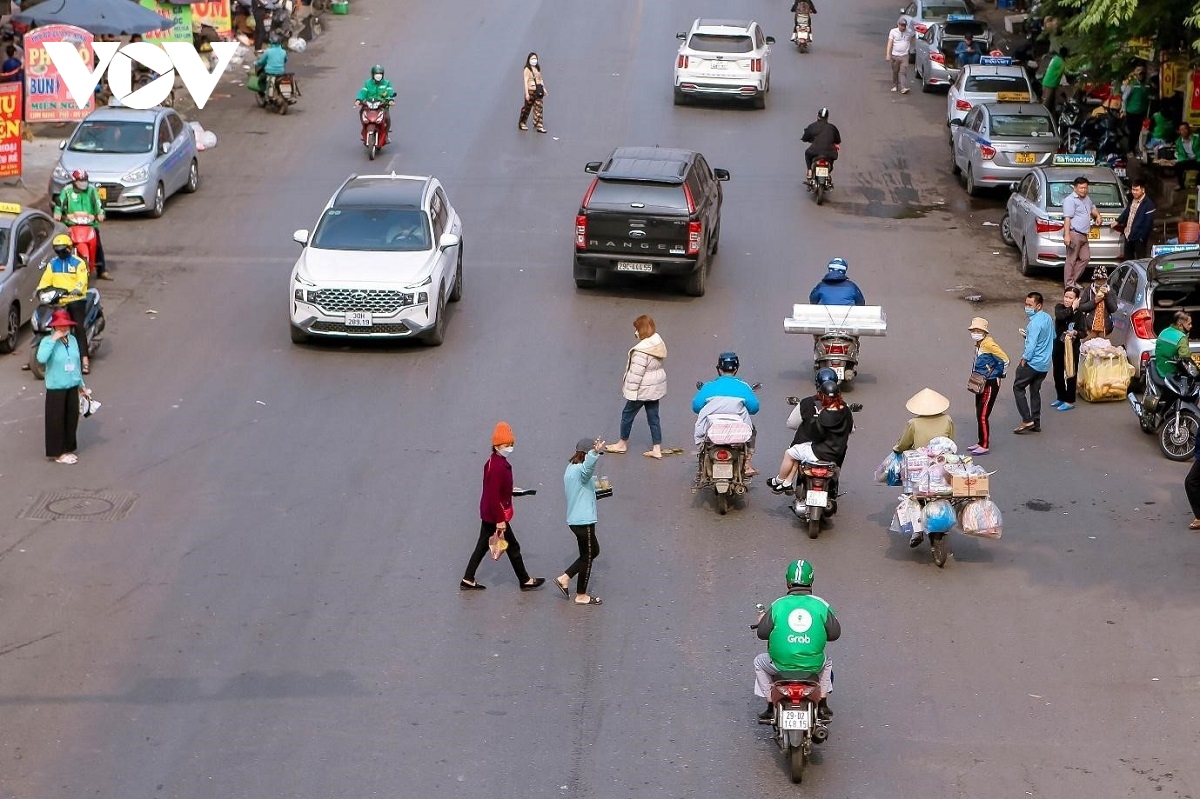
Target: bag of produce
column 1104, row 375
column 907, row 519
column 982, row 518
column 939, row 516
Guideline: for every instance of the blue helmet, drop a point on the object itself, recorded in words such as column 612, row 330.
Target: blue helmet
column 838, row 265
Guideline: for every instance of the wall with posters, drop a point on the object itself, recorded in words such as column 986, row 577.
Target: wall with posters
column 47, row 98
column 181, row 22
column 215, row 13
column 1191, row 105
column 10, row 130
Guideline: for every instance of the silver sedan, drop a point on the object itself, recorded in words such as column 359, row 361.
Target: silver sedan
column 999, row 142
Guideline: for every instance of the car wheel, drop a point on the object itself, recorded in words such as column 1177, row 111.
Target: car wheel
column 760, row 100
column 1027, row 269
column 680, row 98
column 160, row 202
column 456, row 292
column 969, row 180
column 1006, row 231
column 716, row 239
column 298, row 335
column 437, row 334
column 926, row 86
column 193, row 182
column 585, row 278
column 698, row 282
column 9, row 342
column 954, row 170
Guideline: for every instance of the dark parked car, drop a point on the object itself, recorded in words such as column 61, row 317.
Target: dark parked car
column 650, row 211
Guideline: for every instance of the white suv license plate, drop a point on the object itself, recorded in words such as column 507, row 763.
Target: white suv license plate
column 793, row 720
column 722, row 471
column 634, row 266
column 822, row 172
column 358, row 319
column 816, row 499
column 716, row 65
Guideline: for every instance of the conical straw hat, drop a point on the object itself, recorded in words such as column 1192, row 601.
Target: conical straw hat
column 927, row 402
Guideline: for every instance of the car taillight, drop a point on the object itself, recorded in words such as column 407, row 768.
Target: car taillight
column 756, row 65
column 962, row 105
column 691, row 203
column 986, row 152
column 721, row 455
column 920, row 28
column 682, row 62
column 694, row 231
column 1143, row 324
column 1047, row 225
column 580, row 231
column 937, row 58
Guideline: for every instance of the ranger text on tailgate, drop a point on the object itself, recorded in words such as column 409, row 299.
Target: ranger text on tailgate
column 651, row 211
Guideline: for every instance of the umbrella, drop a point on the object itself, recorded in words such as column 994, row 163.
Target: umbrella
column 97, row 16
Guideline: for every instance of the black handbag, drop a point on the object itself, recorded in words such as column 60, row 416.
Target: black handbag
column 539, row 91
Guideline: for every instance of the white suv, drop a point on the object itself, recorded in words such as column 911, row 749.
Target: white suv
column 724, row 58
column 383, row 261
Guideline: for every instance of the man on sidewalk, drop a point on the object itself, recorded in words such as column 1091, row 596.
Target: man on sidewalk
column 899, row 45
column 1079, row 213
column 1035, row 363
column 1052, row 78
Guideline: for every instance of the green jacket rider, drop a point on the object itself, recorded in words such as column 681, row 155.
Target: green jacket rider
column 1173, row 343
column 376, row 87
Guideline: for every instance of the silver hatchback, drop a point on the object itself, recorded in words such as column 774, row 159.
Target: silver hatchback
column 1033, row 222
column 1149, row 292
column 999, row 142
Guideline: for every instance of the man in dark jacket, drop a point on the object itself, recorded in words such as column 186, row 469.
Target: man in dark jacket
column 836, row 288
column 823, row 434
column 1137, row 221
column 823, row 137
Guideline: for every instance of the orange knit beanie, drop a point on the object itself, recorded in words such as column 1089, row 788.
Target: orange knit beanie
column 503, row 436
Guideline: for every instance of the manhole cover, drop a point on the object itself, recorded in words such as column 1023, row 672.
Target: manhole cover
column 79, row 505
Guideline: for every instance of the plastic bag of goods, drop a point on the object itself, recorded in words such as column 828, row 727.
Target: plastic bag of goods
column 939, row 516
column 888, row 471
column 296, row 44
column 941, row 446
column 208, row 141
column 982, row 518
column 907, row 518
column 1104, row 375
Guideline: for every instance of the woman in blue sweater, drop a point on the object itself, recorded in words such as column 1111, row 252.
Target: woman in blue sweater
column 59, row 353
column 580, row 485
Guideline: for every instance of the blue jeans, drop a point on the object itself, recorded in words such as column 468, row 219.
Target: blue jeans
column 630, row 410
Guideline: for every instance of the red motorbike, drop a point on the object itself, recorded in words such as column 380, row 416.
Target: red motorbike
column 83, row 236
column 375, row 125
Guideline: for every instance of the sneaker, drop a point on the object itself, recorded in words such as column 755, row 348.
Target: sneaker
column 776, row 485
column 767, row 716
column 824, row 711
column 522, row 126
column 905, row 90
column 894, row 89
column 916, row 540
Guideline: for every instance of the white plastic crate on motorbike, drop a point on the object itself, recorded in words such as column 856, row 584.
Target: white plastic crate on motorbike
column 837, row 329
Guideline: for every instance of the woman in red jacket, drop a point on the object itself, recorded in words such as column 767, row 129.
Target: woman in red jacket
column 496, row 511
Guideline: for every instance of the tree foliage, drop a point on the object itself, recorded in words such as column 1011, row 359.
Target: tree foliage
column 1098, row 31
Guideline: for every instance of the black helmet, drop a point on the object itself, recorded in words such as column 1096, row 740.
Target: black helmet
column 827, row 382
column 728, row 362
column 823, row 113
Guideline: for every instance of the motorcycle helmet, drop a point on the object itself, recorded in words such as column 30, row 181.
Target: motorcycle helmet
column 838, row 265
column 728, row 362
column 377, row 73
column 827, row 382
column 79, row 175
column 823, row 113
column 800, row 573
column 62, row 245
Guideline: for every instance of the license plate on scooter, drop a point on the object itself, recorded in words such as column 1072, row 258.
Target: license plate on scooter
column 722, row 471
column 816, row 499
column 822, row 172
column 793, row 720
column 840, row 371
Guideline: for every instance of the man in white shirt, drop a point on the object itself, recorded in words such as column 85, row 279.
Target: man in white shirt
column 899, row 45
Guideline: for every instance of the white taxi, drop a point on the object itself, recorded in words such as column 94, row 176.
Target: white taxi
column 994, row 78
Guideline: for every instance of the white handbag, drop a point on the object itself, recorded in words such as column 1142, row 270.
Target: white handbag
column 795, row 417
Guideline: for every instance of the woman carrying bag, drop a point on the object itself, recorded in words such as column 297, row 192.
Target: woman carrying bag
column 535, row 94
column 579, row 483
column 986, row 373
column 644, row 384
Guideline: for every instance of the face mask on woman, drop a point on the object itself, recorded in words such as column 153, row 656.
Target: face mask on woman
column 533, row 62
column 977, row 336
column 505, row 451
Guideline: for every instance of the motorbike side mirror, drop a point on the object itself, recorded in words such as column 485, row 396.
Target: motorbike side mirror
column 756, row 386
column 792, row 400
column 856, row 406
column 447, row 241
column 300, row 237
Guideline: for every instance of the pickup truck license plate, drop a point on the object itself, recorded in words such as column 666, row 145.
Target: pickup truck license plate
column 1026, row 158
column 722, row 471
column 822, row 172
column 1094, row 233
column 793, row 720
column 358, row 319
column 816, row 499
column 634, row 266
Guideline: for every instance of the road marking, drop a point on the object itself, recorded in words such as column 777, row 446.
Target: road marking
column 393, row 163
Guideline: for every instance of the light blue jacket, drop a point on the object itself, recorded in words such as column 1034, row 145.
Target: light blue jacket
column 581, row 490
column 61, row 359
column 726, row 386
column 1039, row 341
column 275, row 58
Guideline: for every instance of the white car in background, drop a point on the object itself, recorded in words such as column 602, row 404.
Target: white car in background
column 383, row 261
column 724, row 58
column 993, row 79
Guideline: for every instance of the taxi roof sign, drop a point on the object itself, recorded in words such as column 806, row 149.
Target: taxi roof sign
column 961, row 18
column 995, row 61
column 1012, row 97
column 1074, row 159
column 1167, row 249
column 10, row 208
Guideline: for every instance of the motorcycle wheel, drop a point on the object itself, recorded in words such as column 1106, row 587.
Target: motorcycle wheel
column 262, row 101
column 819, row 191
column 814, row 522
column 1178, row 440
column 283, row 107
column 35, row 367
column 796, row 763
column 722, row 503
column 372, row 151
column 937, row 541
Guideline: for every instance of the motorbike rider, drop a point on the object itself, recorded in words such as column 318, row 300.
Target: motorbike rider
column 69, row 272
column 797, row 8
column 796, row 628
column 1173, row 343
column 377, row 89
column 836, row 288
column 823, row 435
column 79, row 197
column 727, row 394
column 823, row 138
column 272, row 64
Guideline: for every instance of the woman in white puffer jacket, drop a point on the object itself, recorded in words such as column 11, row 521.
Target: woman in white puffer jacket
column 645, row 383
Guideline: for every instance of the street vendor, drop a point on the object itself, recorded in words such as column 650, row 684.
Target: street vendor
column 930, row 420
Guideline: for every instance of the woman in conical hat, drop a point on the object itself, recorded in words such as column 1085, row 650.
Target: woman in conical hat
column 930, row 420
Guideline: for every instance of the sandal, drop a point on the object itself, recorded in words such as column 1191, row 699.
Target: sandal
column 592, row 600
column 67, row 457
column 651, row 454
column 87, row 369
column 1195, row 525
column 613, row 450
column 776, row 485
column 566, row 594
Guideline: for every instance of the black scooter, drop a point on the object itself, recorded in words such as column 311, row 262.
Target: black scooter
column 1168, row 407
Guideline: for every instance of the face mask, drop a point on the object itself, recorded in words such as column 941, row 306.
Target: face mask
column 977, row 336
column 62, row 252
column 1030, row 312
column 533, row 62
column 378, row 78
column 81, row 186
column 505, row 451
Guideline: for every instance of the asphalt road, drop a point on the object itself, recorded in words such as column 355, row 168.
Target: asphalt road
column 276, row 613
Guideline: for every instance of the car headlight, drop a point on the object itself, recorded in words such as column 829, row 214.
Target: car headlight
column 424, row 282
column 304, row 290
column 61, row 174
column 139, row 175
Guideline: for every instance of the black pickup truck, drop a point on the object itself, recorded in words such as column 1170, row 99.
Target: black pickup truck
column 650, row 211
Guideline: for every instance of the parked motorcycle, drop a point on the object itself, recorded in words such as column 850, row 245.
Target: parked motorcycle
column 278, row 19
column 1168, row 407
column 1070, row 121
column 802, row 26
column 376, row 122
column 822, row 179
column 48, row 302
column 278, row 92
column 816, row 487
column 723, row 456
column 796, row 725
